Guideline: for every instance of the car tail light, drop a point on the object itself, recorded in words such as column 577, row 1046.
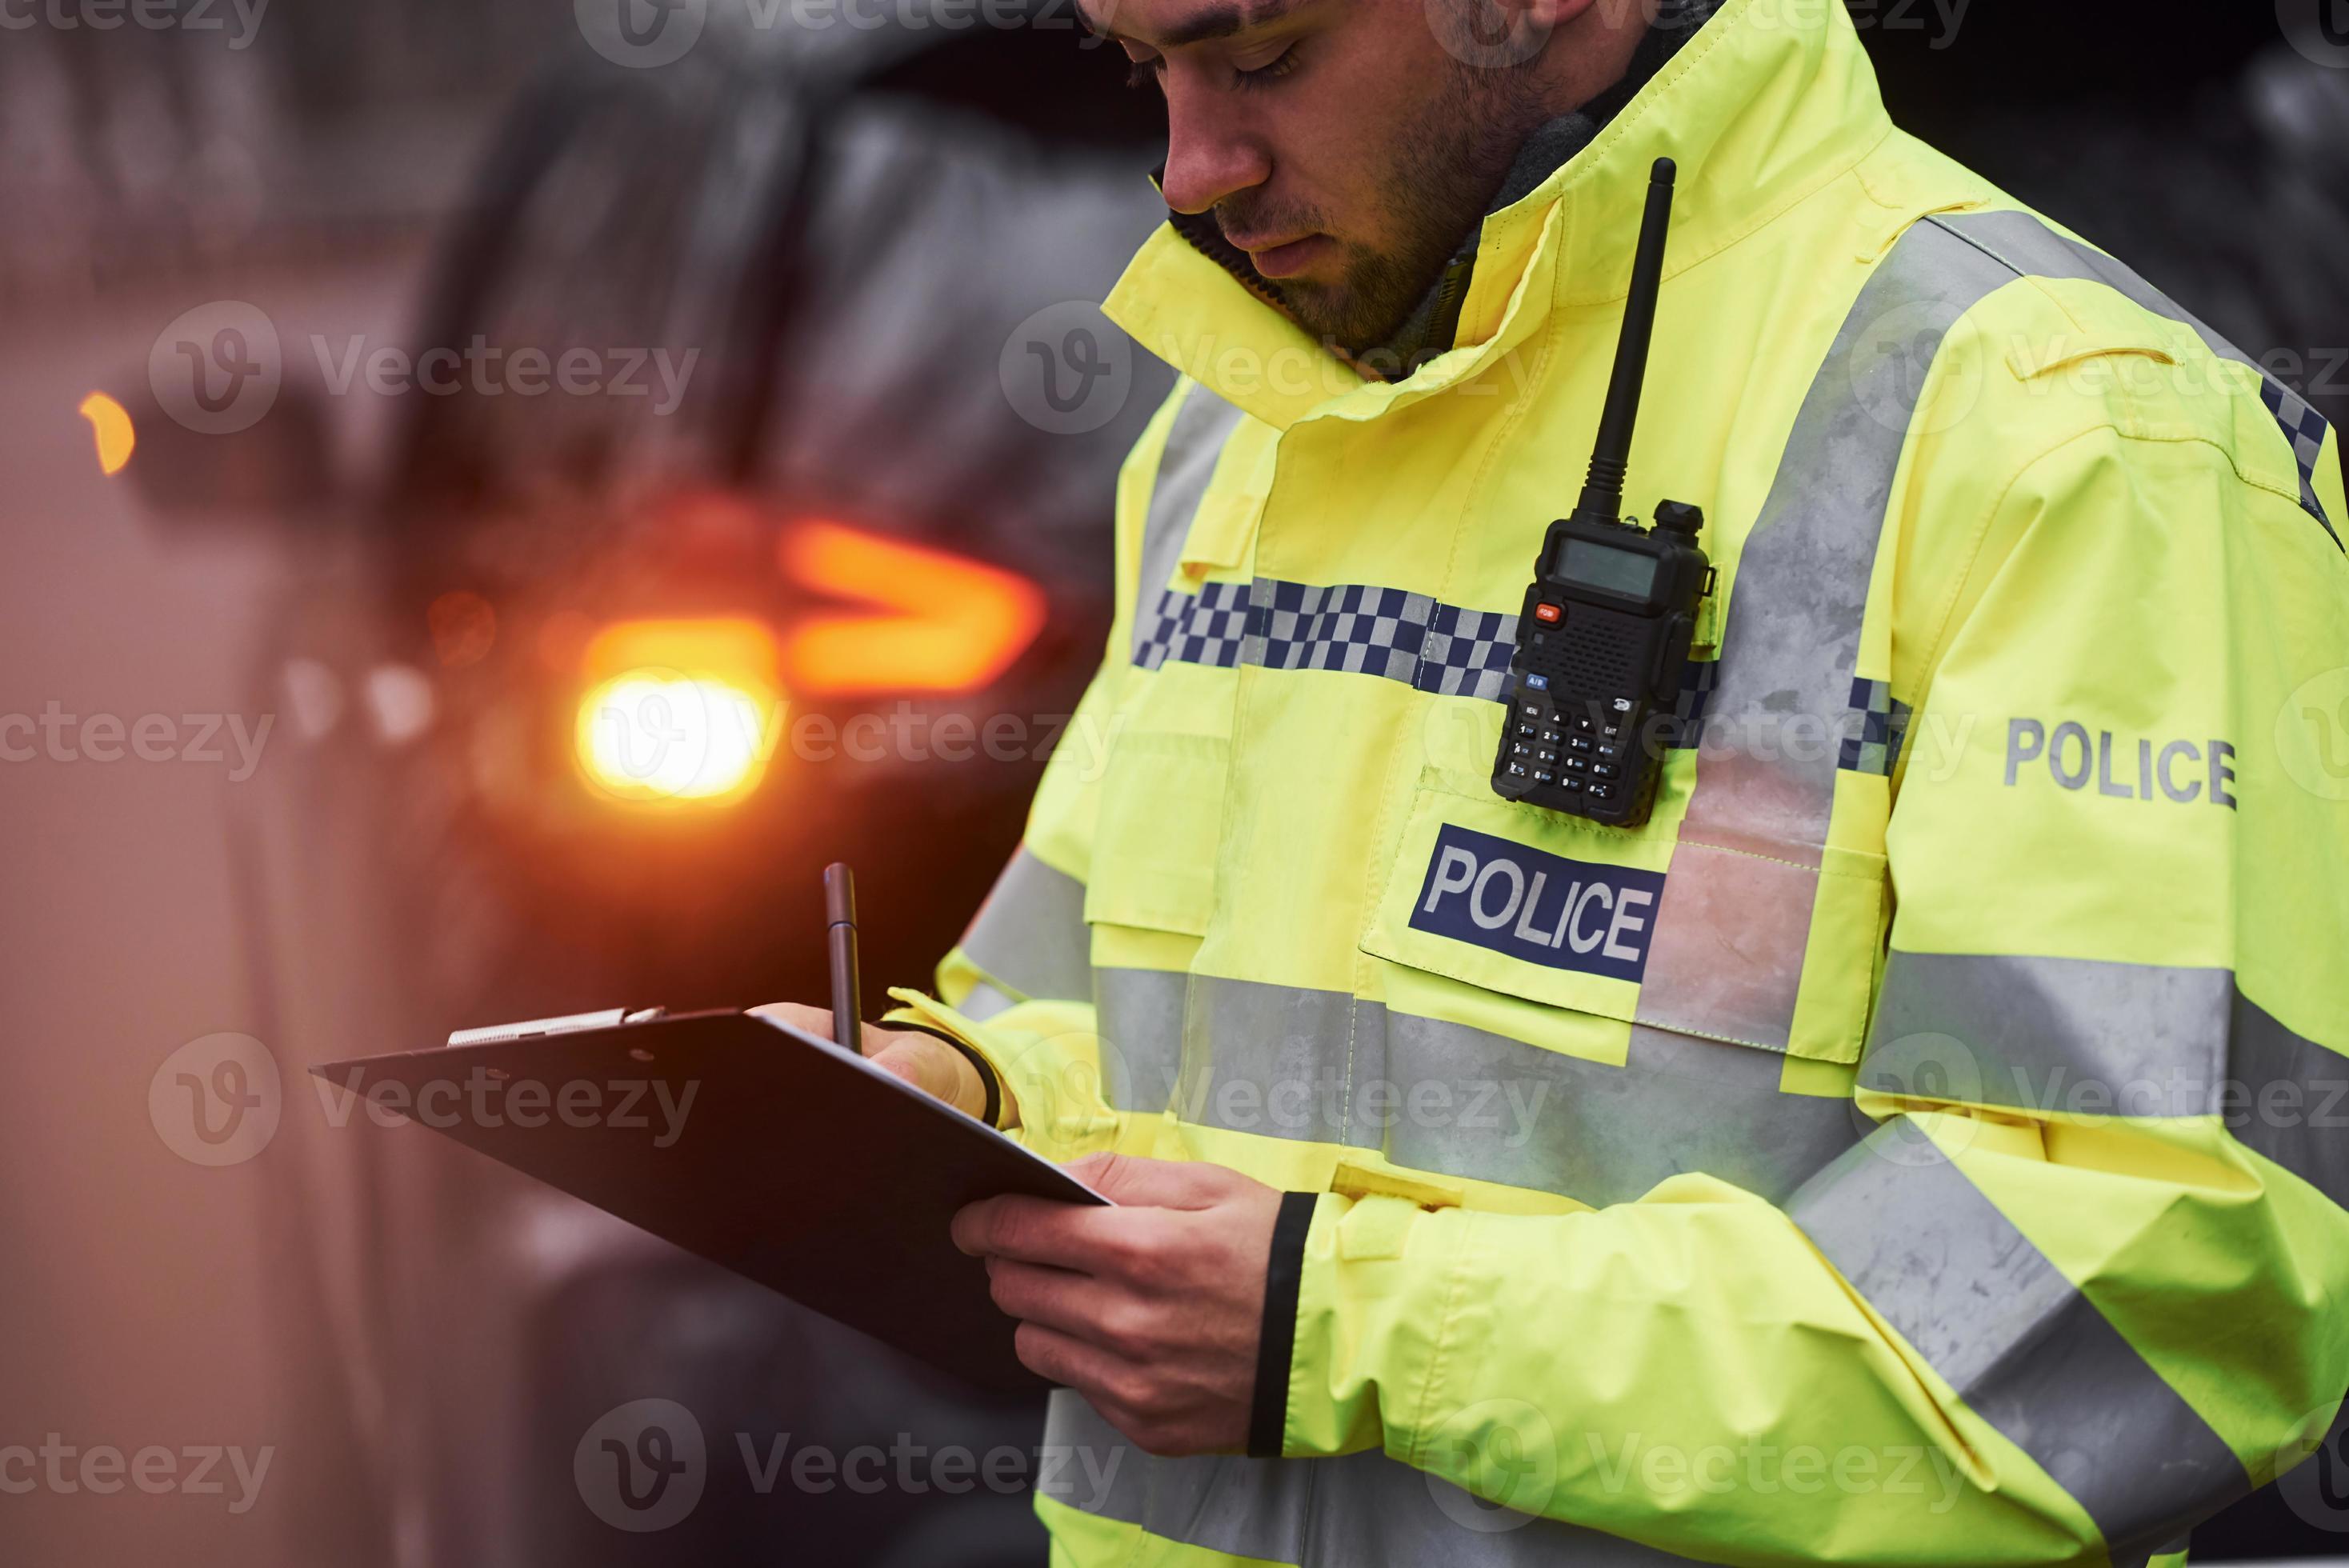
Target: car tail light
column 938, row 623
column 678, row 713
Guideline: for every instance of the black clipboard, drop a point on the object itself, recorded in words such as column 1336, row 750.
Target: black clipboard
column 793, row 1162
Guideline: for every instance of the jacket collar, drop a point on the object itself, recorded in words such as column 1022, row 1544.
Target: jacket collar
column 1763, row 107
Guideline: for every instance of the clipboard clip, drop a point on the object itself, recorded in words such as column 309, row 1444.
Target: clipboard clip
column 568, row 1023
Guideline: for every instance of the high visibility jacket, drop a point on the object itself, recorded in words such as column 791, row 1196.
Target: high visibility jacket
column 1923, row 1141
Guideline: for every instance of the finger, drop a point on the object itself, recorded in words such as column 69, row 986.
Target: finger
column 817, row 1021
column 1038, row 1230
column 1068, row 1362
column 1137, row 1182
column 1078, row 1305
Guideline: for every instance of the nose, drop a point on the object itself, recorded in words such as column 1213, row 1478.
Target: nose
column 1210, row 156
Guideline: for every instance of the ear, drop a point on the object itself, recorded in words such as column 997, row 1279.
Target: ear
column 1548, row 15
column 1506, row 34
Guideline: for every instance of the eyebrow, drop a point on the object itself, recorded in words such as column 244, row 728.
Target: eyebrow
column 1224, row 20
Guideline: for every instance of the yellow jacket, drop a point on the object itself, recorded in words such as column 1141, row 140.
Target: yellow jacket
column 1923, row 1141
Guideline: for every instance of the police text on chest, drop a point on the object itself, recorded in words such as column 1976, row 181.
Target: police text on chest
column 1546, row 909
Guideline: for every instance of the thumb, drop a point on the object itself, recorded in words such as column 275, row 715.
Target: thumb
column 817, row 1021
column 929, row 1064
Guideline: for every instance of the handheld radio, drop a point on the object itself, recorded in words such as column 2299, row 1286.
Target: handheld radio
column 1605, row 627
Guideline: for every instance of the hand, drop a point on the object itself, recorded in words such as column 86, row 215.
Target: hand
column 1151, row 1310
column 926, row 1062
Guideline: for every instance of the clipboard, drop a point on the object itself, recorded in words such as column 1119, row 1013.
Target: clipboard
column 765, row 1149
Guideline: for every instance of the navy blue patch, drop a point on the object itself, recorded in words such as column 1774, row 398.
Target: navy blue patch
column 1525, row 903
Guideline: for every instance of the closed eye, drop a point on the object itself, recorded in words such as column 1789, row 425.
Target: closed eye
column 1272, row 71
column 1152, row 72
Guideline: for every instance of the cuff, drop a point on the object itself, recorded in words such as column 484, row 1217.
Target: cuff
column 1277, row 1339
column 1046, row 1056
column 926, row 1016
column 992, row 1112
column 1379, row 1295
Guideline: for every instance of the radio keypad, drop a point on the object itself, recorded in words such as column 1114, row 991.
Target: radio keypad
column 1574, row 754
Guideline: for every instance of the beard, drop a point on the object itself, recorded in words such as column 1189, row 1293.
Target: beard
column 1442, row 173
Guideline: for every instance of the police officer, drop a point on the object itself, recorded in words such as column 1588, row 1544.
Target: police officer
column 1922, row 1139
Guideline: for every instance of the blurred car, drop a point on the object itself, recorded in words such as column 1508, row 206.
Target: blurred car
column 687, row 656
column 584, row 689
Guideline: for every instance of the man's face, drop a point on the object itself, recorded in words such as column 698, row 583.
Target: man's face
column 1338, row 142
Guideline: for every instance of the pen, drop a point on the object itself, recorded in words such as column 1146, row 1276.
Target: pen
column 840, row 941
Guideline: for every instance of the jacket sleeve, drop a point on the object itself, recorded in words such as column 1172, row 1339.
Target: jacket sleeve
column 2083, row 1281
column 1017, row 988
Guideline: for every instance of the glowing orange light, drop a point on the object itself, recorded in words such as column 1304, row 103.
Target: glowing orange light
column 110, row 423
column 947, row 624
column 677, row 712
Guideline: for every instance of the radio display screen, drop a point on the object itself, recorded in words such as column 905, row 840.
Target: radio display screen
column 1630, row 572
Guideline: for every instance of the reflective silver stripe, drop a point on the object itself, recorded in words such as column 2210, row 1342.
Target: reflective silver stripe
column 1460, row 1101
column 2049, row 1033
column 1272, row 1059
column 1030, row 937
column 1605, row 1134
column 1322, row 1512
column 1089, row 1464
column 1248, row 1507
column 2074, row 1035
column 2023, row 242
column 1368, row 1508
column 2020, row 1344
column 1138, row 1016
column 2309, row 1138
column 984, row 1002
column 1201, row 425
column 1731, row 930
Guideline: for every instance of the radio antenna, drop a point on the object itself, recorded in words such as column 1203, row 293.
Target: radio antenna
column 1602, row 492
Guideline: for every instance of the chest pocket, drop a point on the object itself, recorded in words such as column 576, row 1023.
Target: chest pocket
column 1543, row 958
column 1529, row 905
column 1693, row 938
column 1162, row 804
column 1169, row 755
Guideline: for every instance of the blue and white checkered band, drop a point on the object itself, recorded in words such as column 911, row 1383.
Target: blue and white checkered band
column 1353, row 628
column 1467, row 654
column 1873, row 743
column 1203, row 628
column 2305, row 429
column 1357, row 629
